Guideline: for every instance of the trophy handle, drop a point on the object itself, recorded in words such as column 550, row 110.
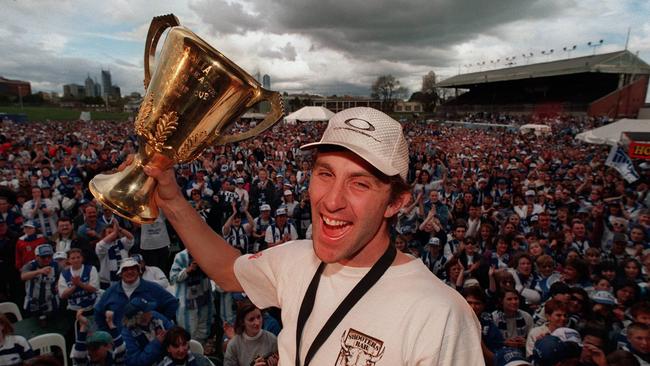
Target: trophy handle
column 156, row 29
column 277, row 111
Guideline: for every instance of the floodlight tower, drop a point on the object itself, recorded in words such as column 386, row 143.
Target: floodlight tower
column 594, row 45
column 568, row 50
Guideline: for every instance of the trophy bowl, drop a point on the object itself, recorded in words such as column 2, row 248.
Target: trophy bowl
column 194, row 95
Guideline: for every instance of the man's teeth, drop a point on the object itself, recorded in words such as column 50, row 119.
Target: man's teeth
column 332, row 222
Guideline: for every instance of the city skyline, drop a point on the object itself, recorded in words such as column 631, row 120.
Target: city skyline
column 317, row 47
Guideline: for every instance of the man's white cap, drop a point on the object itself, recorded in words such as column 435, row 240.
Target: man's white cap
column 126, row 263
column 265, row 207
column 287, row 192
column 372, row 135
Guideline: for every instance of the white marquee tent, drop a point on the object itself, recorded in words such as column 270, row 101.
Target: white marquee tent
column 611, row 134
column 536, row 128
column 309, row 114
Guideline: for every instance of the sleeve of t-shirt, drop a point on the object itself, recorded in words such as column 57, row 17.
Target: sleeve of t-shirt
column 94, row 278
column 268, row 236
column 259, row 277
column 264, row 275
column 62, row 285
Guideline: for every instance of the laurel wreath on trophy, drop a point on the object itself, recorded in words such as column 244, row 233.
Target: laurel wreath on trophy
column 190, row 145
column 143, row 115
column 165, row 126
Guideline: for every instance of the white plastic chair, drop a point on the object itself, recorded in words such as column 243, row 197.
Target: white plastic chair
column 45, row 342
column 196, row 347
column 11, row 308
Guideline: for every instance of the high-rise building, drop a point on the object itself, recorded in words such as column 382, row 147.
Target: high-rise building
column 90, row 87
column 98, row 88
column 73, row 91
column 266, row 81
column 116, row 92
column 106, row 84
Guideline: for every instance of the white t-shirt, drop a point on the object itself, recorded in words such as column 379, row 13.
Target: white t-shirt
column 154, row 236
column 155, row 274
column 408, row 318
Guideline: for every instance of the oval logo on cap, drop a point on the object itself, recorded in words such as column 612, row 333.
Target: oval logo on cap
column 360, row 124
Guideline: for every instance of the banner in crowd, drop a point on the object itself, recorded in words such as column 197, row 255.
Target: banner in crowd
column 619, row 160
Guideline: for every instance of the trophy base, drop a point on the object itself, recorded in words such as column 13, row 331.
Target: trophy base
column 128, row 193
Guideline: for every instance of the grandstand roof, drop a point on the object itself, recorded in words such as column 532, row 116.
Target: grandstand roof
column 620, row 62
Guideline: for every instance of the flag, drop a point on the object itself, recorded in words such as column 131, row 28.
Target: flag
column 619, row 160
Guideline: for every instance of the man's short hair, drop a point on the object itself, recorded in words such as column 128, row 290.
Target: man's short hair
column 642, row 307
column 637, row 327
column 75, row 250
column 553, row 305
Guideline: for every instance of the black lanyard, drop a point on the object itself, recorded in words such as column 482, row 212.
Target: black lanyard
column 344, row 307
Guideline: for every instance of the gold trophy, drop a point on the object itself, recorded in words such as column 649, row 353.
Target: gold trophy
column 193, row 97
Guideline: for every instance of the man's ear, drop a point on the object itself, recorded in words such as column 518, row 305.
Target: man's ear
column 394, row 207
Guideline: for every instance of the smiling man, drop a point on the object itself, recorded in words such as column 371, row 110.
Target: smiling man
column 347, row 297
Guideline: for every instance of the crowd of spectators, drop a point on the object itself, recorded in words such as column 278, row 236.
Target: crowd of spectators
column 548, row 244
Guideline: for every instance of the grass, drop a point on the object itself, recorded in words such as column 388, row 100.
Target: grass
column 62, row 114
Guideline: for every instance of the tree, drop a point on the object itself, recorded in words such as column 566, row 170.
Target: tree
column 429, row 93
column 388, row 89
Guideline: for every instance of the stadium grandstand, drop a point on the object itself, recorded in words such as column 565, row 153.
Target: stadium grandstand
column 611, row 84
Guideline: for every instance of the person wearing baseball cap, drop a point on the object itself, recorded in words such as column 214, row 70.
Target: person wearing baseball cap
column 151, row 273
column 260, row 224
column 40, row 276
column 131, row 286
column 433, row 256
column 357, row 187
column 26, row 244
column 99, row 347
column 281, row 231
column 143, row 331
column 290, row 202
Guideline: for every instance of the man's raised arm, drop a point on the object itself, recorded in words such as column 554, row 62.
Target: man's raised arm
column 213, row 254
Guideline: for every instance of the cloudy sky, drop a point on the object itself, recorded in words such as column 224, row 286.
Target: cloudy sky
column 324, row 47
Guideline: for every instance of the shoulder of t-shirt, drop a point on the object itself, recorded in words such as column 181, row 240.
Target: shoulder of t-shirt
column 428, row 290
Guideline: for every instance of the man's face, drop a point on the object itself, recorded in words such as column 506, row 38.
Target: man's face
column 433, row 196
column 579, row 230
column 643, row 317
column 29, row 230
column 130, row 274
column 544, row 221
column 459, row 233
column 281, row 220
column 476, row 304
column 644, row 219
column 263, row 175
column 64, row 227
column 44, row 260
column 76, row 260
column 640, row 341
column 586, row 355
column 91, row 214
column 98, row 353
column 636, row 235
column 4, row 205
column 557, row 319
column 349, row 209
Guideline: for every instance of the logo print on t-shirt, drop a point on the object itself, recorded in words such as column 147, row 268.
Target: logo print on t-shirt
column 358, row 349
